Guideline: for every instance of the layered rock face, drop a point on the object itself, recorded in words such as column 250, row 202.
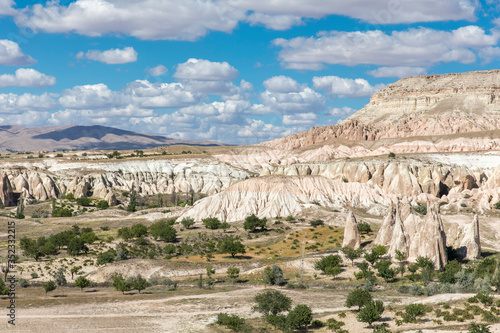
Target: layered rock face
column 351, row 233
column 282, row 196
column 99, row 180
column 413, row 235
column 416, row 106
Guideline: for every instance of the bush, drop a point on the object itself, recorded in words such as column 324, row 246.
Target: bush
column 23, row 283
column 102, row 204
column 358, row 297
column 420, row 208
column 211, row 223
column 83, row 201
column 274, row 275
column 252, row 222
column 412, row 312
column 478, row 328
column 272, row 302
column 416, row 290
column 299, row 317
column 187, row 222
column 364, row 227
column 316, row 223
column 163, row 230
column 232, row 322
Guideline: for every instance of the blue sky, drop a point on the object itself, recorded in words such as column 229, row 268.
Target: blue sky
column 234, row 71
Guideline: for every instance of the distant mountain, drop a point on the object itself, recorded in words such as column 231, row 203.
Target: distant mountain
column 17, row 138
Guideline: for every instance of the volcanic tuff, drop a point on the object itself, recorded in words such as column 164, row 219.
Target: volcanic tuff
column 416, row 106
column 351, row 233
column 100, row 179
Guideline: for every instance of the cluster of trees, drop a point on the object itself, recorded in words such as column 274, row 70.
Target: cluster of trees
column 161, row 230
column 133, row 283
column 75, row 241
column 368, row 309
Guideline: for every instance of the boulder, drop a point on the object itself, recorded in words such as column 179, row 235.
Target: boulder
column 470, row 246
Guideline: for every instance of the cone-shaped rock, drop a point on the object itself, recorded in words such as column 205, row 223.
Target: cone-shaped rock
column 398, row 239
column 384, row 235
column 351, row 232
column 6, row 197
column 470, row 246
column 430, row 240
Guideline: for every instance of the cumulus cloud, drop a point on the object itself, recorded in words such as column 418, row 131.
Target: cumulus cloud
column 6, row 7
column 144, row 19
column 275, row 22
column 205, row 70
column 157, row 71
column 13, row 103
column 398, row 71
column 308, row 118
column 110, row 57
column 342, row 112
column 377, row 12
column 159, row 95
column 282, row 84
column 413, row 47
column 27, row 77
column 96, row 96
column 345, row 88
column 12, row 55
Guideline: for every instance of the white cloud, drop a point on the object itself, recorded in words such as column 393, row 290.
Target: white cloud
column 275, row 22
column 157, row 71
column 398, row 71
column 377, row 12
column 96, row 96
column 342, row 112
column 13, row 103
column 26, row 77
column 144, row 19
column 282, row 84
column 6, row 7
column 159, row 95
column 259, row 131
column 110, row 57
column 345, row 88
column 413, row 47
column 293, row 102
column 308, row 118
column 12, row 55
column 205, row 70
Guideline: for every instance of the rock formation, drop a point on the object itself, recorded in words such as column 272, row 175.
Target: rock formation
column 385, row 233
column 6, row 197
column 470, row 246
column 416, row 106
column 351, row 232
column 99, row 180
column 414, row 236
column 282, row 196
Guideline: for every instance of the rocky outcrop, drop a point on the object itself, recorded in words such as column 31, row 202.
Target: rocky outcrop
column 282, row 196
column 6, row 197
column 416, row 236
column 385, row 233
column 415, row 106
column 470, row 244
column 351, row 233
column 100, row 180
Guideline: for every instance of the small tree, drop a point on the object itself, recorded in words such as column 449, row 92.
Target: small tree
column 272, row 303
column 231, row 245
column 252, row 222
column 274, row 275
column 139, row 283
column 75, row 270
column 478, row 328
column 372, row 311
column 364, row 227
column 60, row 278
column 352, row 254
column 401, row 258
column 187, row 222
column 120, row 283
column 358, row 297
column 132, row 206
column 299, row 317
column 212, row 223
column 412, row 312
column 327, row 264
column 233, row 273
column 82, row 282
column 385, row 271
column 102, row 204
column 163, row 230
column 49, row 286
